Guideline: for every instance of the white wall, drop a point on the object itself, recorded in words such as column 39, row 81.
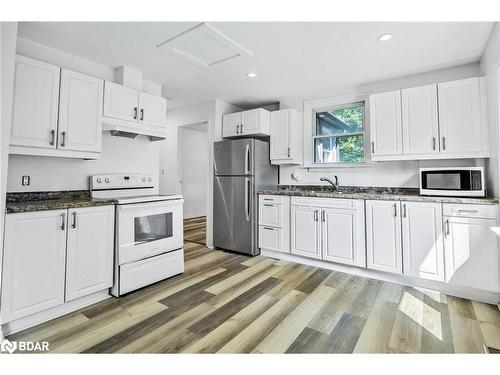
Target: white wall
column 8, row 31
column 490, row 67
column 118, row 154
column 396, row 174
column 193, row 143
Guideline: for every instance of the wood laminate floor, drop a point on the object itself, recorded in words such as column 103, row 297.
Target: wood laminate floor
column 195, row 230
column 228, row 303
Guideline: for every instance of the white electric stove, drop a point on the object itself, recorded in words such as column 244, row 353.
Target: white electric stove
column 148, row 230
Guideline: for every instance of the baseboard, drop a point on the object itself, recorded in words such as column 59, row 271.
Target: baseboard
column 462, row 292
column 55, row 312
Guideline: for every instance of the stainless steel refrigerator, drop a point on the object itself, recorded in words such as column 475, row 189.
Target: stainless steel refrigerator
column 241, row 168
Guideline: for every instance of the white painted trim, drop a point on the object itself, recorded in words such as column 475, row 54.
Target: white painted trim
column 55, row 312
column 57, row 153
column 469, row 293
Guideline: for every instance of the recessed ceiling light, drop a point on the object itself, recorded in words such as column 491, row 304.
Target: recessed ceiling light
column 251, row 75
column 385, row 37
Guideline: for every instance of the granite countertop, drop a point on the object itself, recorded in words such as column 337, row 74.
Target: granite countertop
column 53, row 200
column 372, row 193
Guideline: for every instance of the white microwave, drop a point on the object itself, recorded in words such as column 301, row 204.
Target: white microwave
column 453, row 181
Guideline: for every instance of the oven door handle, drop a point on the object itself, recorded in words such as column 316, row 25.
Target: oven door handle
column 150, row 205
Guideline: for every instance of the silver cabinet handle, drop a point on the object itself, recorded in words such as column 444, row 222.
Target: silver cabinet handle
column 63, row 139
column 241, row 129
column 135, row 113
column 74, row 220
column 444, row 143
column 63, row 221
column 237, row 129
column 268, row 205
column 268, row 228
column 142, row 114
column 468, row 211
column 323, row 216
column 52, row 137
column 268, row 199
column 395, row 210
column 288, row 151
column 315, row 215
column 373, row 147
column 404, row 210
column 434, row 143
column 447, row 227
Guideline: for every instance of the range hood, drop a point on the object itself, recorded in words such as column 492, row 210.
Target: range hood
column 119, row 128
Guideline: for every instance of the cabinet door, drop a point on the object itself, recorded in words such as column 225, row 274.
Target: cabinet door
column 36, row 93
column 152, row 110
column 250, row 122
column 280, row 135
column 80, row 109
column 34, row 263
column 343, row 236
column 471, row 253
column 231, row 123
column 120, row 102
column 305, row 232
column 90, row 251
column 383, row 236
column 420, row 120
column 270, row 238
column 385, row 123
column 422, row 240
column 459, row 116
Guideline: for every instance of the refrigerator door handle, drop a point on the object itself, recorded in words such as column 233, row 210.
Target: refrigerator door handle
column 247, row 159
column 247, row 198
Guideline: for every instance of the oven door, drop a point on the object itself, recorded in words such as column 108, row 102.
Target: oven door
column 147, row 229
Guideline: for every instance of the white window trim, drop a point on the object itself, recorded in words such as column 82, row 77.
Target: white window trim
column 318, row 105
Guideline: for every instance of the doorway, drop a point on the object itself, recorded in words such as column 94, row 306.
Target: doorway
column 193, row 159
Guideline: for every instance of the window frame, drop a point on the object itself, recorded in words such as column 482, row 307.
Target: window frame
column 312, row 107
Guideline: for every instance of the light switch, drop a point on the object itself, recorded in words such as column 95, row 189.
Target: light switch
column 26, row 180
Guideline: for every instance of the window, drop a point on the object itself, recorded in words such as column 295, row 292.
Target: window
column 338, row 135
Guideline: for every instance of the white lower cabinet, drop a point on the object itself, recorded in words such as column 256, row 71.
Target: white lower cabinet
column 50, row 259
column 33, row 263
column 89, row 261
column 274, row 223
column 423, row 255
column 329, row 229
column 470, row 248
column 383, row 236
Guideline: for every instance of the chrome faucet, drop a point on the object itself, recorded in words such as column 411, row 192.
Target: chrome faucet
column 334, row 184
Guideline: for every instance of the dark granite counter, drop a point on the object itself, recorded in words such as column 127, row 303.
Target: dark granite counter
column 53, row 200
column 372, row 193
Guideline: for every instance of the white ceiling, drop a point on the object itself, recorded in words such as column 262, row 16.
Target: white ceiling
column 294, row 60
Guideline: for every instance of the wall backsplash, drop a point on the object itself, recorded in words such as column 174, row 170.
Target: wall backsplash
column 387, row 174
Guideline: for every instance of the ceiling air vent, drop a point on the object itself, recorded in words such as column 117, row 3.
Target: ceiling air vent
column 204, row 46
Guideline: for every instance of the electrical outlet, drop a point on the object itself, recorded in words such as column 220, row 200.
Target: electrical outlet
column 25, row 181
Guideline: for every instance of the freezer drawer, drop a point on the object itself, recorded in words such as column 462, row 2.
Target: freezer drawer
column 148, row 271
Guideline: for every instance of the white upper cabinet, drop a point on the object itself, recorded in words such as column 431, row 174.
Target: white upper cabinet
column 286, row 137
column 460, row 117
column 439, row 121
column 231, row 123
column 152, row 110
column 34, row 263
column 80, row 108
column 89, row 256
column 420, row 120
column 36, row 93
column 385, row 123
column 254, row 122
column 423, row 254
column 383, row 236
column 121, row 102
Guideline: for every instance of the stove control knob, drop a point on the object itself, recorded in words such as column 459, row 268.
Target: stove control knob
column 144, row 179
column 150, row 179
column 99, row 180
column 107, row 180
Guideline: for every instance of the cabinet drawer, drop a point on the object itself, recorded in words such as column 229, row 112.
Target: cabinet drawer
column 470, row 210
column 272, row 198
column 270, row 238
column 324, row 202
column 270, row 214
column 145, row 272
